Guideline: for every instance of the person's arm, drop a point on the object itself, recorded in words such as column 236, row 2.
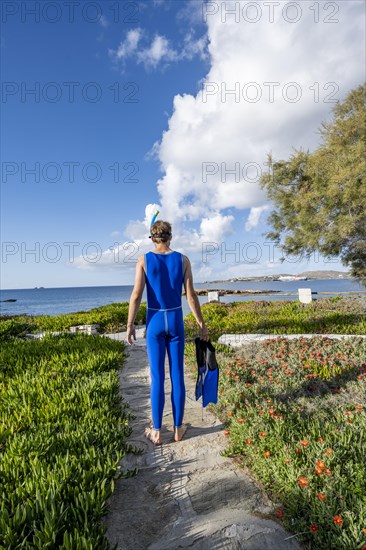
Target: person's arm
column 136, row 294
column 192, row 298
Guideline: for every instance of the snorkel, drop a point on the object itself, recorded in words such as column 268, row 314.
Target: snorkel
column 153, row 221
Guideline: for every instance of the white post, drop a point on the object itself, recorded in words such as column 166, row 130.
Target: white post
column 305, row 296
column 213, row 296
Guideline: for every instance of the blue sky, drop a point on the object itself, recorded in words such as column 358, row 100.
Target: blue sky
column 170, row 133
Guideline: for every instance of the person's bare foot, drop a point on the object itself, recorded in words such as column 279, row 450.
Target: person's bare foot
column 179, row 432
column 153, row 435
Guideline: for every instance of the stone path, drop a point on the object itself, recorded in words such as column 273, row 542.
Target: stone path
column 185, row 495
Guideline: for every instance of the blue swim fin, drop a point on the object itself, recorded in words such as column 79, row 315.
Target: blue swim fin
column 207, row 372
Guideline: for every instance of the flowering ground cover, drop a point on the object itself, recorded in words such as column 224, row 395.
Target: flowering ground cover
column 63, row 430
column 110, row 318
column 337, row 315
column 295, row 414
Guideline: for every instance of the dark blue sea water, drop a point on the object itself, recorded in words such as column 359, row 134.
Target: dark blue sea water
column 52, row 301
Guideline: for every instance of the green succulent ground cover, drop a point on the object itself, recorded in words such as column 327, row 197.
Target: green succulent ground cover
column 111, row 318
column 339, row 315
column 63, row 427
column 295, row 413
column 63, row 430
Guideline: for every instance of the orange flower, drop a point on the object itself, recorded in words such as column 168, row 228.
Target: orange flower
column 240, row 420
column 287, row 460
column 338, row 520
column 359, row 407
column 230, row 413
column 261, row 411
column 267, row 454
column 226, row 432
column 262, row 434
column 320, row 464
column 248, row 441
column 302, row 481
column 321, row 440
column 318, row 471
column 327, row 471
column 304, row 443
column 313, row 528
column 271, row 411
column 279, row 513
column 329, row 451
column 297, row 451
column 321, row 496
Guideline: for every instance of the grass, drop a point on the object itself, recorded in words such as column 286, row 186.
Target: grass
column 63, row 431
column 295, row 415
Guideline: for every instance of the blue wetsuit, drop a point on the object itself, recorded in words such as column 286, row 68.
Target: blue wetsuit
column 165, row 331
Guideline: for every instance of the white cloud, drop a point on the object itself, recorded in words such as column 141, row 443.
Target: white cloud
column 103, row 21
column 159, row 51
column 128, row 46
column 215, row 143
column 254, row 216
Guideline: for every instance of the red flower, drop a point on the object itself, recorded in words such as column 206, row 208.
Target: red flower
column 304, row 443
column 248, row 441
column 279, row 513
column 313, row 528
column 321, row 496
column 262, row 434
column 302, row 481
column 338, row 520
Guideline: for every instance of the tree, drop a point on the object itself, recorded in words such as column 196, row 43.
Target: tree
column 320, row 198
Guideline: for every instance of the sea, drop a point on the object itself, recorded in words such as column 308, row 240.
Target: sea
column 53, row 301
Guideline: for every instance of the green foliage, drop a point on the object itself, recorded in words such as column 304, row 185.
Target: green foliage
column 319, row 197
column 63, row 430
column 296, row 409
column 111, row 318
column 338, row 315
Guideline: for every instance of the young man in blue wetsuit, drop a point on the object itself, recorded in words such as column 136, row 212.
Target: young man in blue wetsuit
column 164, row 271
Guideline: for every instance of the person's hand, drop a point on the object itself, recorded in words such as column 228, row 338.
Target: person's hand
column 131, row 333
column 204, row 333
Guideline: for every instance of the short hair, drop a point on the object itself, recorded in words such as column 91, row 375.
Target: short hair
column 161, row 231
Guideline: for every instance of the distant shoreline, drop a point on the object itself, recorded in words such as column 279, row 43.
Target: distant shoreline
column 310, row 275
